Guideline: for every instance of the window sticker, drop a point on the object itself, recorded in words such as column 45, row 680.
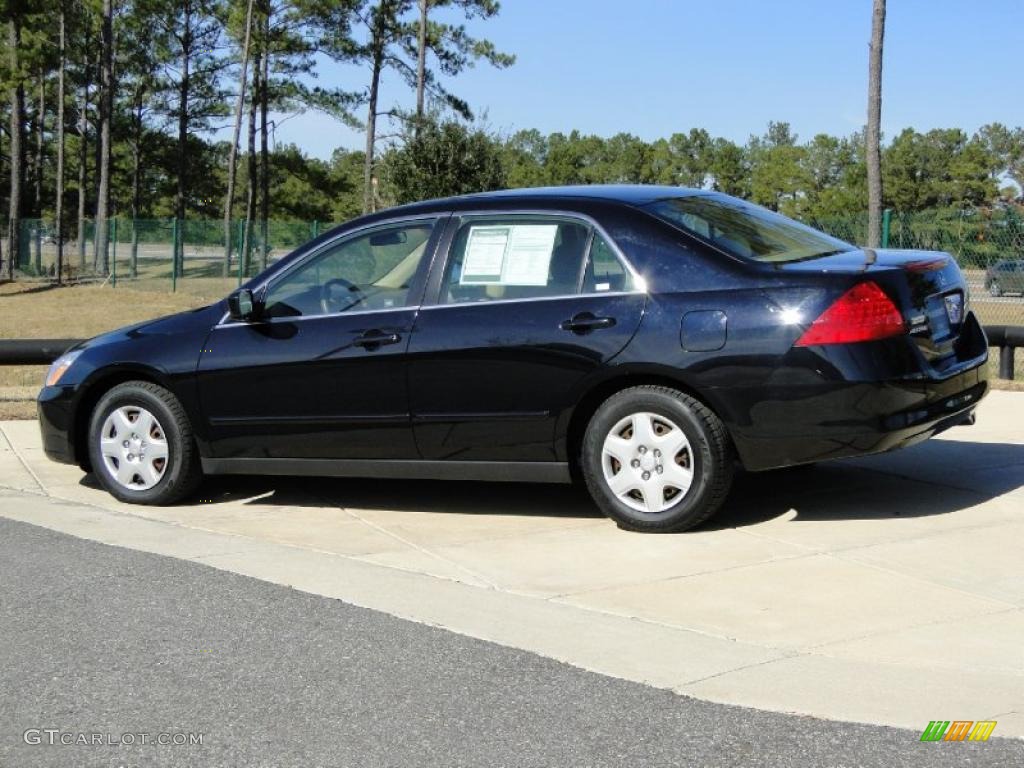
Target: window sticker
column 485, row 255
column 528, row 258
column 517, row 254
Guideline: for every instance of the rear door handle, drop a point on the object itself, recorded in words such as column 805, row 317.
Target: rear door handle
column 374, row 338
column 585, row 322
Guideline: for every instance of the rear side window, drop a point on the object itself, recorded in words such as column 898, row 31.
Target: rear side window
column 515, row 258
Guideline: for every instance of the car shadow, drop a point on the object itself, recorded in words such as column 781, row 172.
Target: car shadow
column 936, row 477
column 933, row 478
column 441, row 496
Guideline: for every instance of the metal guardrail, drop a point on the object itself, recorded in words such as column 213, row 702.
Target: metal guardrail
column 33, row 351
column 44, row 351
column 1007, row 338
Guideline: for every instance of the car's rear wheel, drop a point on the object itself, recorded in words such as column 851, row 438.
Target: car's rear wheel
column 995, row 289
column 656, row 459
column 141, row 446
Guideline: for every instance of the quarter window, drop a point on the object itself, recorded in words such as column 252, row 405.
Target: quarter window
column 515, row 258
column 605, row 273
column 365, row 272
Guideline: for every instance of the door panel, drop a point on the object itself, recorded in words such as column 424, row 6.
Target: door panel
column 306, row 389
column 488, row 380
column 321, row 373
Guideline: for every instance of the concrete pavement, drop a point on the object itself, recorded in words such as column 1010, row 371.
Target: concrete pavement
column 884, row 590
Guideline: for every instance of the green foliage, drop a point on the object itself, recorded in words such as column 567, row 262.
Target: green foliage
column 823, row 178
column 441, row 159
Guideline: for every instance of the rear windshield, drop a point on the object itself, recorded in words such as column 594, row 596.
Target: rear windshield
column 745, row 230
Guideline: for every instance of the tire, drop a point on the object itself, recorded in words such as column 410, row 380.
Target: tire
column 995, row 289
column 170, row 472
column 628, row 422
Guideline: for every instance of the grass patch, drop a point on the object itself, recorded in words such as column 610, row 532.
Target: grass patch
column 43, row 311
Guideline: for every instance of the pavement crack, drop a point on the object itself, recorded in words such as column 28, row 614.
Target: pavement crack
column 422, row 550
column 764, row 662
column 21, row 459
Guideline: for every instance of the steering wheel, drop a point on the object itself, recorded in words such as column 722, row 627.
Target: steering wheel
column 334, row 292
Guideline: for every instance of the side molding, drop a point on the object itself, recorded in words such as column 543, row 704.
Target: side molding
column 500, row 471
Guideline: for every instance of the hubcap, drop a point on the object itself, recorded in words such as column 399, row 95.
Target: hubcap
column 134, row 448
column 647, row 462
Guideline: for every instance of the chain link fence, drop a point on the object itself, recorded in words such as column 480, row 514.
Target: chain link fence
column 162, row 254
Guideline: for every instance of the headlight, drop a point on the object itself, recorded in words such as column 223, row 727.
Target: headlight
column 60, row 367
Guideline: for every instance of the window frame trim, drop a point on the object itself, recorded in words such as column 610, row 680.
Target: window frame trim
column 440, row 220
column 443, row 255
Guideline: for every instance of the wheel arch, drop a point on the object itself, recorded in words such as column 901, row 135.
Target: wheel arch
column 97, row 385
column 598, row 392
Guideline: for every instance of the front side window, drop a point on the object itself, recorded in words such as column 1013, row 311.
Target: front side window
column 745, row 230
column 365, row 272
column 515, row 258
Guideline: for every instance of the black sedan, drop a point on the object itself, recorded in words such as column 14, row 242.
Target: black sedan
column 646, row 340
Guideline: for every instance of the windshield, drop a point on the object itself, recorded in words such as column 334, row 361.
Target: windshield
column 745, row 230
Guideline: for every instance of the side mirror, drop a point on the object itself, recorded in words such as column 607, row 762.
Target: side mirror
column 243, row 306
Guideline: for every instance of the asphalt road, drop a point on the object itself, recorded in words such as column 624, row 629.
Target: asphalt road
column 108, row 641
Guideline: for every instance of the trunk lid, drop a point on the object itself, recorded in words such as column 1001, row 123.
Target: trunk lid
column 927, row 286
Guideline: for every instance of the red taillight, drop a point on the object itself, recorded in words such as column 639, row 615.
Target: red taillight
column 863, row 313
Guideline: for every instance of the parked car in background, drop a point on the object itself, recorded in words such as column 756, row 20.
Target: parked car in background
column 645, row 340
column 1004, row 277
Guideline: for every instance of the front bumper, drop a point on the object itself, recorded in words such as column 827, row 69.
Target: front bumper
column 55, row 406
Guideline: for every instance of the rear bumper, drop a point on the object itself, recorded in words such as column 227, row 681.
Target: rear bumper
column 841, row 419
column 56, row 423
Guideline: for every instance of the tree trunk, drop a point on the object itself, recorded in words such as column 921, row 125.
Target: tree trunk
column 97, row 154
column 371, row 135
column 382, row 18
column 229, row 197
column 59, row 193
column 872, row 135
column 102, row 264
column 16, row 152
column 83, row 159
column 38, row 209
column 421, row 63
column 250, row 199
column 183, row 96
column 136, row 181
column 264, row 154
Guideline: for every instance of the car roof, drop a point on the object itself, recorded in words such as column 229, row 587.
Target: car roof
column 629, row 194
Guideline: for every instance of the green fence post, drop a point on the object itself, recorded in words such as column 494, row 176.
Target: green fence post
column 174, row 255
column 316, row 228
column 113, row 252
column 886, row 224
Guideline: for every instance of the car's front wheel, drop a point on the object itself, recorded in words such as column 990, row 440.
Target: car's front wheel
column 655, row 459
column 141, row 446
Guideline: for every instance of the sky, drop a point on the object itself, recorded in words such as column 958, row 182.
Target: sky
column 656, row 67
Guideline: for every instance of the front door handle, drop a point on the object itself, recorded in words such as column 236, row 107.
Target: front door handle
column 585, row 322
column 373, row 339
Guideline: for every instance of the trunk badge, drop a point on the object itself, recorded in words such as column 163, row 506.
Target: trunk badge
column 955, row 308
